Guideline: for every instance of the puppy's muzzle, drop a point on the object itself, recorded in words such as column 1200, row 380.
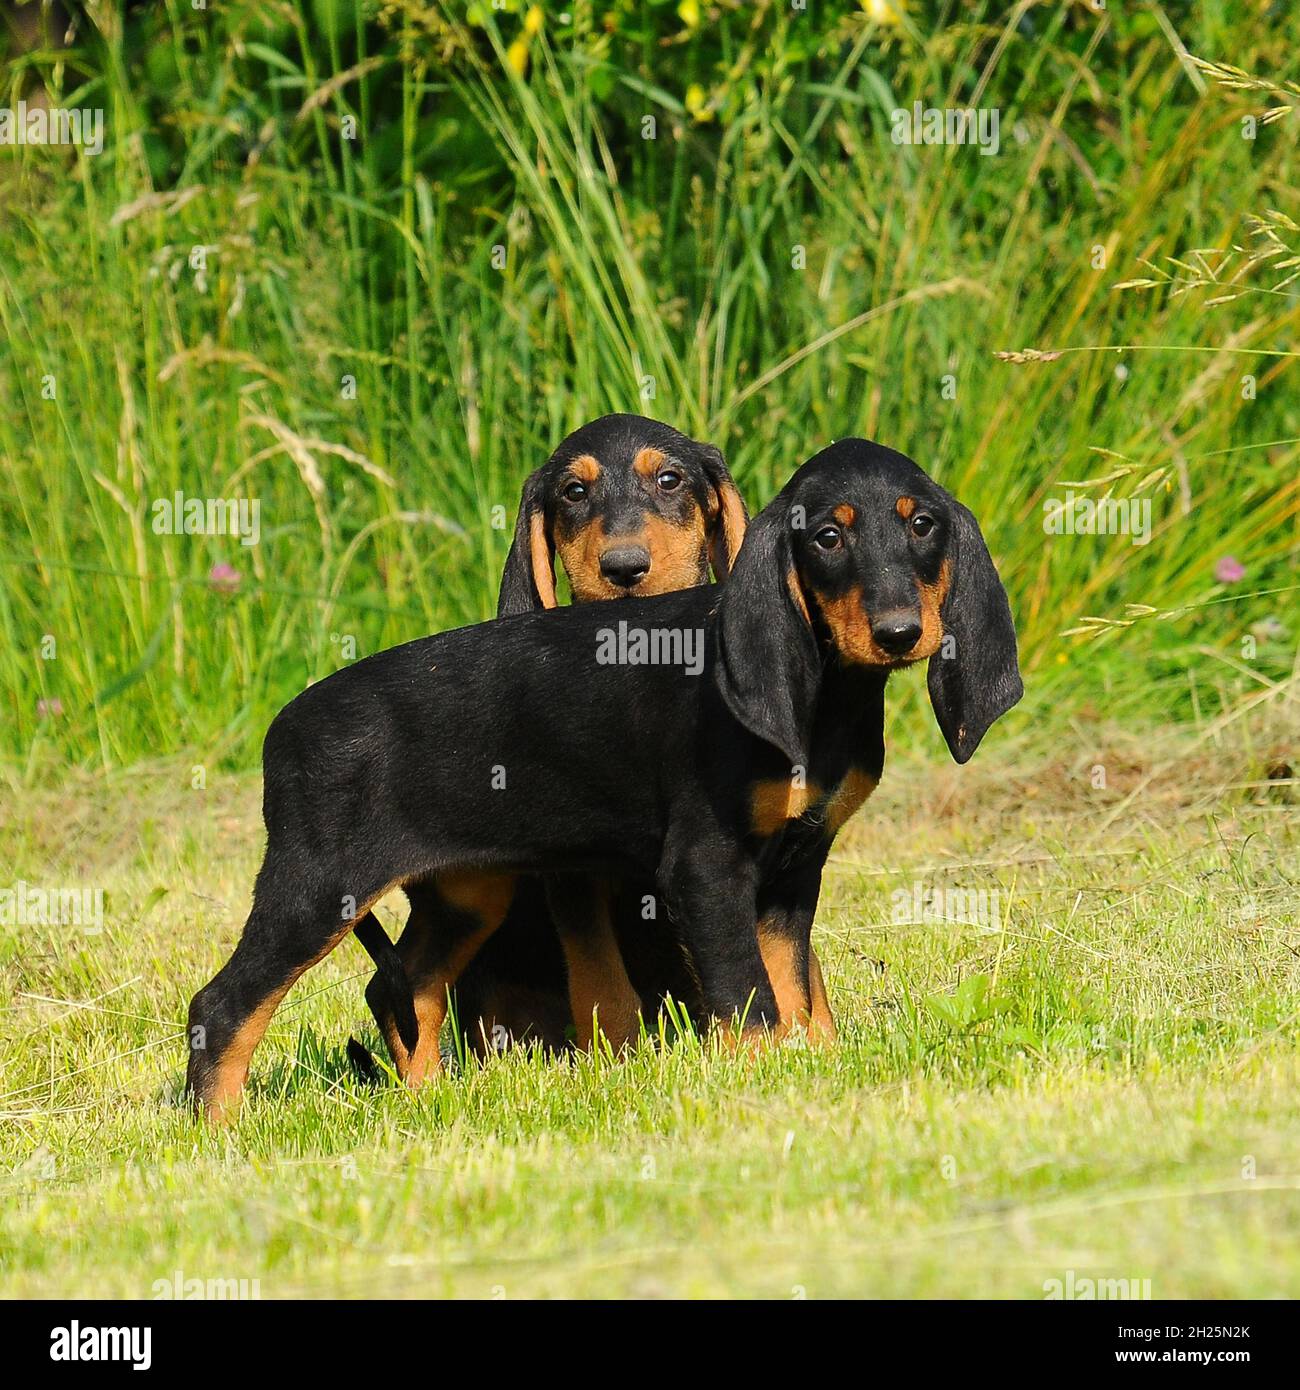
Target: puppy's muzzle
column 625, row 566
column 896, row 632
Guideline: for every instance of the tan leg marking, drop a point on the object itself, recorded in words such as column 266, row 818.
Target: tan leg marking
column 231, row 1073
column 485, row 896
column 821, row 1026
column 791, row 990
column 600, row 993
column 231, row 1070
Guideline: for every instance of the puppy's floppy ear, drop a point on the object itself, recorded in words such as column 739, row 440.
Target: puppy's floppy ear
column 528, row 580
column 768, row 667
column 728, row 518
column 973, row 677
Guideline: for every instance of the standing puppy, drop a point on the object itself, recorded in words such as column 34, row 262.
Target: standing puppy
column 726, row 781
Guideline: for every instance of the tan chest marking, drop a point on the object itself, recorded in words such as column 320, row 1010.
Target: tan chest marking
column 847, row 797
column 775, row 801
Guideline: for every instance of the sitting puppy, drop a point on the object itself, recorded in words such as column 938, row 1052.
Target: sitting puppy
column 634, row 508
column 468, row 758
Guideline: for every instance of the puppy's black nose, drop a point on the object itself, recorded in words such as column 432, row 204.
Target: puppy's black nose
column 896, row 633
column 625, row 565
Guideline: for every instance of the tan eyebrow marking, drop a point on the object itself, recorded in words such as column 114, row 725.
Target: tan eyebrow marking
column 845, row 514
column 905, row 506
column 585, row 467
column 648, row 460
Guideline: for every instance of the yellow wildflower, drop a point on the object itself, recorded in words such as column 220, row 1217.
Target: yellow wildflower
column 517, row 56
column 884, row 11
column 696, row 102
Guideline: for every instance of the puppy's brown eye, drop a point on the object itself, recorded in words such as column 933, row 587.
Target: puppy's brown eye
column 922, row 525
column 828, row 538
column 669, row 481
column 575, row 492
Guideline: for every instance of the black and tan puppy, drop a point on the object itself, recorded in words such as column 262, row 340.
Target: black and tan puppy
column 633, row 508
column 468, row 758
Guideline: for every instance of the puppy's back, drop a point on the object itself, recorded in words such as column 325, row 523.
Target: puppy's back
column 539, row 735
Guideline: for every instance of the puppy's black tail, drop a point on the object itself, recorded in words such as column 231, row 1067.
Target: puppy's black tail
column 391, row 979
column 362, row 1062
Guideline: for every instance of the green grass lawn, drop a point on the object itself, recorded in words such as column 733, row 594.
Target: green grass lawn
column 1100, row 1076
